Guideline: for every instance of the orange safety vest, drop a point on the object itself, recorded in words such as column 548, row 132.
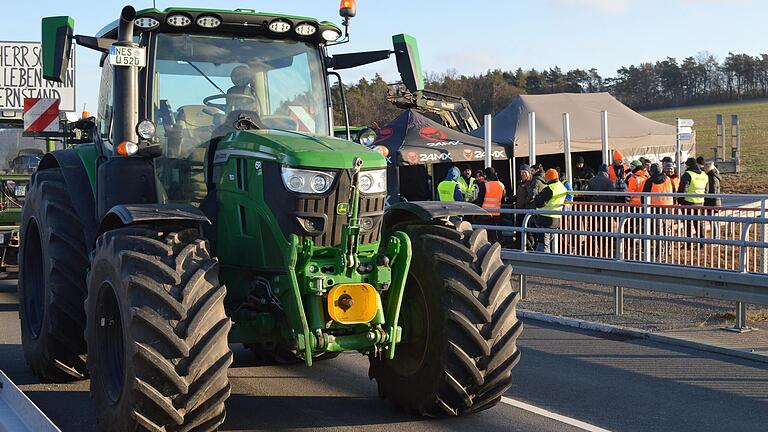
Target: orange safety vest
column 612, row 172
column 664, row 187
column 494, row 192
column 675, row 183
column 635, row 184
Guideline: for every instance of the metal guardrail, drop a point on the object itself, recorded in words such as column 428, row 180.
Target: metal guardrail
column 18, row 413
column 715, row 252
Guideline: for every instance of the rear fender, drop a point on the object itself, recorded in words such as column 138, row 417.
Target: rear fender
column 79, row 185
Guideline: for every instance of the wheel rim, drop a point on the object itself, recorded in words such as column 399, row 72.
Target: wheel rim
column 34, row 281
column 411, row 352
column 109, row 342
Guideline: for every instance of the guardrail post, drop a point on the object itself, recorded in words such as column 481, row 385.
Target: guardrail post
column 647, row 228
column 618, row 292
column 523, row 289
column 740, row 326
column 763, row 251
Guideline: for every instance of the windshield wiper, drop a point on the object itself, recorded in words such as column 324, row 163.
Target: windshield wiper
column 200, row 71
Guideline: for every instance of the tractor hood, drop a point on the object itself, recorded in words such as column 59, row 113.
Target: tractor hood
column 297, row 149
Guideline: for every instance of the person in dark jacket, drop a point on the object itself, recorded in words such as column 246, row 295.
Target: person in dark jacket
column 581, row 174
column 600, row 183
column 537, row 182
column 522, row 200
column 714, row 185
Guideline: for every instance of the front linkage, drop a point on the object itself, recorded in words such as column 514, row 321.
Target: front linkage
column 351, row 284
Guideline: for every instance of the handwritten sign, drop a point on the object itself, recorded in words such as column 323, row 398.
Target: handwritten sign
column 21, row 76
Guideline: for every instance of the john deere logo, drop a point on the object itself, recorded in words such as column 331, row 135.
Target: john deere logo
column 342, row 208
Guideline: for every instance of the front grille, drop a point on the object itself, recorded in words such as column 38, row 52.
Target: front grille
column 298, row 208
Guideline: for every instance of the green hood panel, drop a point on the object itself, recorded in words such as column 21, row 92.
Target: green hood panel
column 300, row 150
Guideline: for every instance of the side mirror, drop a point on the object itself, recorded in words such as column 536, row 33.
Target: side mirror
column 57, row 45
column 408, row 62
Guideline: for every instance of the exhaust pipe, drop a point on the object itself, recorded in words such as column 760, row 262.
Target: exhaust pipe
column 124, row 85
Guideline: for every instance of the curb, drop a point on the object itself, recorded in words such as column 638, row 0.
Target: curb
column 640, row 334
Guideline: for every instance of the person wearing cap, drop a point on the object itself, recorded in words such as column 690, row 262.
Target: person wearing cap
column 714, row 184
column 522, row 200
column 467, row 184
column 449, row 189
column 601, row 183
column 537, row 181
column 669, row 171
column 490, row 195
column 700, row 162
column 693, row 181
column 618, row 170
column 581, row 174
column 658, row 182
column 636, row 180
column 552, row 198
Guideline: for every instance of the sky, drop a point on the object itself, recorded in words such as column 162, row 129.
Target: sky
column 469, row 37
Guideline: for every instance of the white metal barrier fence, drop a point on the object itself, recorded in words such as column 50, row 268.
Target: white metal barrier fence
column 724, row 239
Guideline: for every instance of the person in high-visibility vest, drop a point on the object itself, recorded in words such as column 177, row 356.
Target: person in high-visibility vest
column 552, row 197
column 491, row 192
column 669, row 171
column 661, row 183
column 694, row 181
column 636, row 181
column 449, row 189
column 467, row 184
column 490, row 195
column 618, row 170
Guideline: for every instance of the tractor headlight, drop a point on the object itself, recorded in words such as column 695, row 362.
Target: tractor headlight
column 372, row 182
column 146, row 130
column 307, row 181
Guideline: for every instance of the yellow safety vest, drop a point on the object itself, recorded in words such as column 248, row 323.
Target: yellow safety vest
column 446, row 189
column 559, row 192
column 467, row 189
column 698, row 185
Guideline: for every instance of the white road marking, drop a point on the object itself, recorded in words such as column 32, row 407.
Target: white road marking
column 549, row 414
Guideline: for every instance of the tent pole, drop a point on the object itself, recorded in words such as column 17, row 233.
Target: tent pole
column 532, row 138
column 604, row 137
column 567, row 148
column 512, row 171
column 488, row 136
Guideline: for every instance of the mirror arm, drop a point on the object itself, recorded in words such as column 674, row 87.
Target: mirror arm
column 94, row 43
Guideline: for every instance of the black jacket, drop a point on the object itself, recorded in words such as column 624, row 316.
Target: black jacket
column 713, row 188
column 600, row 183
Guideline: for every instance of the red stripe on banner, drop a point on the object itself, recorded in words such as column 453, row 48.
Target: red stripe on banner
column 46, row 118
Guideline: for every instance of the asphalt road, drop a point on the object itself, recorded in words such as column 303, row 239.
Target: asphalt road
column 616, row 384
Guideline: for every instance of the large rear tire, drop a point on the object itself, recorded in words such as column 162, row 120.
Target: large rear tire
column 53, row 263
column 459, row 324
column 157, row 332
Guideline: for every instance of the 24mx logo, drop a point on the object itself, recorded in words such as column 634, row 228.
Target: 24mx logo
column 435, row 157
column 480, row 154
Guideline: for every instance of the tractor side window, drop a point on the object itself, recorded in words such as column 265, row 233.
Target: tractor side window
column 105, row 104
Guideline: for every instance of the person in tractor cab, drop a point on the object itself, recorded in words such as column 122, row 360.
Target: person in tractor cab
column 450, row 189
column 551, row 198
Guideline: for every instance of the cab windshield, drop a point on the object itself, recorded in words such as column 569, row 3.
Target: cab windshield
column 203, row 84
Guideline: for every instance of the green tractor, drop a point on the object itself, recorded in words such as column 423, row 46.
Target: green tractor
column 211, row 163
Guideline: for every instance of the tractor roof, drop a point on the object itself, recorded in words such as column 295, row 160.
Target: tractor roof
column 239, row 21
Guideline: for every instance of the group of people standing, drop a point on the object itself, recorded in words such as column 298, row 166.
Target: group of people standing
column 549, row 190
column 643, row 175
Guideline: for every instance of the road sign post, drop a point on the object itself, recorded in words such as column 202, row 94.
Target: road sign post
column 684, row 132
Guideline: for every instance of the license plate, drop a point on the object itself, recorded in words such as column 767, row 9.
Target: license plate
column 20, row 191
column 127, row 56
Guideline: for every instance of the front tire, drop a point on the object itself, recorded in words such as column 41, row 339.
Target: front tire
column 459, row 324
column 157, row 332
column 53, row 263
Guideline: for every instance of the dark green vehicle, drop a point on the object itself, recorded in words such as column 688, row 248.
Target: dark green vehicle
column 359, row 134
column 212, row 163
column 19, row 158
